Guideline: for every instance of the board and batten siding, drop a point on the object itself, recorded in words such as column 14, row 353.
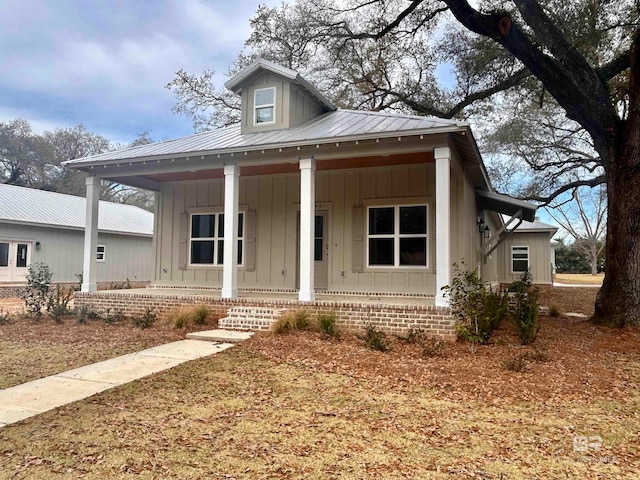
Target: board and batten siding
column 275, row 199
column 127, row 256
column 539, row 256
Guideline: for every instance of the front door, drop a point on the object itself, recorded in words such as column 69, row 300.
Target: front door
column 14, row 260
column 321, row 252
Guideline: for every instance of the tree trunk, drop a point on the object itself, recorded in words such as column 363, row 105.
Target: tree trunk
column 593, row 254
column 618, row 301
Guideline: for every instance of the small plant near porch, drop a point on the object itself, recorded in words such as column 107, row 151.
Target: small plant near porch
column 36, row 292
column 478, row 309
column 290, row 321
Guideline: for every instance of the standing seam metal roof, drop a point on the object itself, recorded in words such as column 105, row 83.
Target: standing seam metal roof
column 31, row 206
column 331, row 126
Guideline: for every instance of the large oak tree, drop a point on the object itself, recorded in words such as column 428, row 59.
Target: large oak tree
column 578, row 60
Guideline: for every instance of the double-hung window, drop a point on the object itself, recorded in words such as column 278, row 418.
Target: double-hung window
column 519, row 259
column 206, row 242
column 397, row 236
column 265, row 105
column 101, row 253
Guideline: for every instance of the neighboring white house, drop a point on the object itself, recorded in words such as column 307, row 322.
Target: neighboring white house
column 48, row 227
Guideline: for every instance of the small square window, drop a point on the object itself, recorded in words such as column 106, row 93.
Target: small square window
column 101, row 253
column 519, row 259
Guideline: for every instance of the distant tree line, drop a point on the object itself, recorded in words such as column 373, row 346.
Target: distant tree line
column 33, row 160
column 572, row 258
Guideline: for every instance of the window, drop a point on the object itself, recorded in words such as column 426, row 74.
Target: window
column 519, row 259
column 206, row 243
column 397, row 236
column 101, row 253
column 265, row 106
column 4, row 254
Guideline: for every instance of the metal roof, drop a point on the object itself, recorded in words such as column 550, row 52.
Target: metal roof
column 31, row 206
column 536, row 226
column 333, row 126
column 505, row 204
column 235, row 83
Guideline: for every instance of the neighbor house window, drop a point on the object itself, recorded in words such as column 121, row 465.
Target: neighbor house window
column 519, row 259
column 265, row 106
column 101, row 253
column 397, row 236
column 206, row 243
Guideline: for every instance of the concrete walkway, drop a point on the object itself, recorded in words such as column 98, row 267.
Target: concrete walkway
column 32, row 398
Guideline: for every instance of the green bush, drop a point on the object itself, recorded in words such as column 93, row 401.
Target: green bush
column 327, row 324
column 36, row 292
column 477, row 308
column 146, row 320
column 290, row 321
column 58, row 303
column 525, row 316
column 375, row 339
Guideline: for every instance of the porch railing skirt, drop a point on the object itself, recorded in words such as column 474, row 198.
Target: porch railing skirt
column 396, row 317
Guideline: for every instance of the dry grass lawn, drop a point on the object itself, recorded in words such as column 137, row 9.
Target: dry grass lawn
column 299, row 406
column 578, row 278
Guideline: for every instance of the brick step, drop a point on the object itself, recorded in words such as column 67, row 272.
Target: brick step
column 250, row 318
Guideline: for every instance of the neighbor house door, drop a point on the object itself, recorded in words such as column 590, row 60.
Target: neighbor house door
column 15, row 257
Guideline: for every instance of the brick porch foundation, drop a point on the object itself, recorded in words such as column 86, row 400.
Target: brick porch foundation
column 389, row 317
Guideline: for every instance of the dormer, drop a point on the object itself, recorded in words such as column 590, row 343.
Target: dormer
column 275, row 97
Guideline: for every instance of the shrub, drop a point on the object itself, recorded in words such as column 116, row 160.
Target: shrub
column 523, row 284
column 186, row 317
column 432, row 347
column 554, row 311
column 327, row 324
column 85, row 313
column 298, row 320
column 112, row 316
column 477, row 308
column 538, row 355
column 515, row 363
column 525, row 316
column 414, row 335
column 375, row 339
column 200, row 314
column 145, row 320
column 36, row 292
column 5, row 317
column 58, row 303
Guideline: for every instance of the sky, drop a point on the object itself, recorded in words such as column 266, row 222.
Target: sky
column 105, row 63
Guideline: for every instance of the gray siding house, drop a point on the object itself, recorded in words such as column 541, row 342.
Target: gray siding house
column 309, row 200
column 48, row 227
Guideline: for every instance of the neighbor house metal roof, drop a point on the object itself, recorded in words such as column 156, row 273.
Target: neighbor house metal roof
column 334, row 126
column 39, row 207
column 536, row 225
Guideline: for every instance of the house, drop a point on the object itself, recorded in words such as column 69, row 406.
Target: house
column 40, row 226
column 307, row 204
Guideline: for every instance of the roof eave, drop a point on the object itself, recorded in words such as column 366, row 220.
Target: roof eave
column 83, row 163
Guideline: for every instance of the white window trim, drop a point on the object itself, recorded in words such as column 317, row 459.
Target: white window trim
column 215, row 239
column 520, row 247
column 104, row 253
column 266, row 105
column 397, row 236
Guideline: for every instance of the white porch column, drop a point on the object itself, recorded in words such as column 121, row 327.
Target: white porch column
column 443, row 223
column 307, row 226
column 91, row 235
column 230, row 258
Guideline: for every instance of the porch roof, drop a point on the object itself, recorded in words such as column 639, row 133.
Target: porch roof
column 333, row 126
column 505, row 204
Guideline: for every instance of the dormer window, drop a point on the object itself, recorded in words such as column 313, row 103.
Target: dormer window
column 265, row 106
